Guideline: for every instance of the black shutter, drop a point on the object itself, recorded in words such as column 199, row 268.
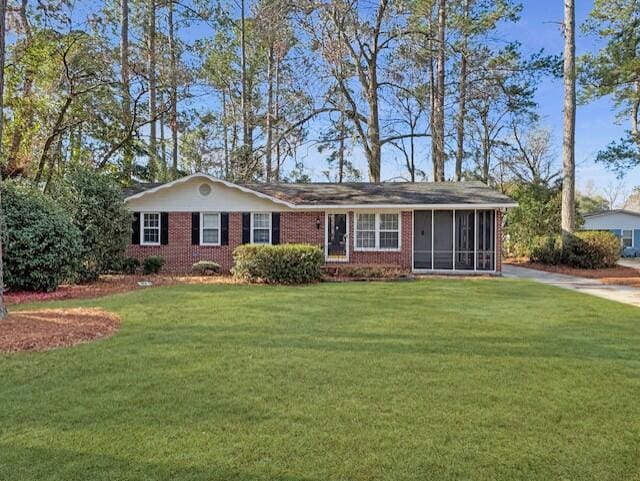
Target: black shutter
column 275, row 228
column 224, row 229
column 195, row 228
column 246, row 227
column 164, row 228
column 135, row 229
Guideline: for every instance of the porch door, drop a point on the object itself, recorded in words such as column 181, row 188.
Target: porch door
column 337, row 236
column 422, row 239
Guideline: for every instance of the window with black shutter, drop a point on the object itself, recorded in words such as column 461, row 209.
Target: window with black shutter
column 195, row 228
column 135, row 229
column 246, row 227
column 164, row 228
column 224, row 228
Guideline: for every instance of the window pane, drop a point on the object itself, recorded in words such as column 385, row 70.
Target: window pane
column 261, row 221
column 152, row 220
column 260, row 236
column 388, row 240
column 388, row 221
column 151, row 235
column 210, row 236
column 209, row 221
column 366, row 239
column 627, row 238
column 366, row 222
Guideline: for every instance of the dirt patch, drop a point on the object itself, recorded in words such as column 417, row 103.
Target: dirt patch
column 52, row 328
column 619, row 275
column 111, row 284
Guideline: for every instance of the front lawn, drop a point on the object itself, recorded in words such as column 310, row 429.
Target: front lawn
column 431, row 380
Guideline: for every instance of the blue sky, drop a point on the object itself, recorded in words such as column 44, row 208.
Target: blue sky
column 595, row 123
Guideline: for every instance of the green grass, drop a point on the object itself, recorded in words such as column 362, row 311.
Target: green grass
column 431, row 380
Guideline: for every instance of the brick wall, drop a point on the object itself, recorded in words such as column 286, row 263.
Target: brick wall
column 400, row 258
column 295, row 227
column 180, row 255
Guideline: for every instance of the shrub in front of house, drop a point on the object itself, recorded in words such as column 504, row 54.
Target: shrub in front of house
column 128, row 265
column 278, row 264
column 152, row 264
column 94, row 201
column 205, row 268
column 584, row 250
column 41, row 244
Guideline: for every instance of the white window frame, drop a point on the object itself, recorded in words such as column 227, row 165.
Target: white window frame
column 142, row 229
column 270, row 216
column 219, row 228
column 377, row 247
column 622, row 231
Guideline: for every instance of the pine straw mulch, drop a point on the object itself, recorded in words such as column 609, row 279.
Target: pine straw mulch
column 110, row 284
column 52, row 328
column 619, row 275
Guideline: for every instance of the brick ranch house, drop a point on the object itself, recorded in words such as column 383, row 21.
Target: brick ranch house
column 421, row 227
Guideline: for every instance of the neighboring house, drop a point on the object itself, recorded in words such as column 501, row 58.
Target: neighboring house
column 623, row 223
column 423, row 227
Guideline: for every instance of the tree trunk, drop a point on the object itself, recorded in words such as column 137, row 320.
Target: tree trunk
column 225, row 133
column 341, row 146
column 127, row 155
column 18, row 131
column 438, row 117
column 151, row 62
column 568, row 144
column 277, row 118
column 269, row 127
column 462, row 97
column 173, row 120
column 49, row 142
column 3, row 9
column 244, row 107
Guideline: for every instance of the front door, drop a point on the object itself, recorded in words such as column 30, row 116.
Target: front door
column 337, row 236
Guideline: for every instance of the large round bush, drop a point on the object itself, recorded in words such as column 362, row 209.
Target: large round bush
column 278, row 264
column 41, row 245
column 94, row 201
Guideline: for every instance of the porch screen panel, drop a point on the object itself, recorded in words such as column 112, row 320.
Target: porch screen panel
column 443, row 239
column 422, row 239
column 465, row 237
column 486, row 240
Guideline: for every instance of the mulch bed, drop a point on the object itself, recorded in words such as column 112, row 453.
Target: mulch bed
column 107, row 285
column 619, row 275
column 52, row 328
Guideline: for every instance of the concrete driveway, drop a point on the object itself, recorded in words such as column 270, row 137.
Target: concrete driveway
column 624, row 294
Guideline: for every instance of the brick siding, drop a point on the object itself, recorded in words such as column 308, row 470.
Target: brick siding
column 295, row 227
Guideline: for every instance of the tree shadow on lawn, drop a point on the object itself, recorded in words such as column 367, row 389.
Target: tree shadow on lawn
column 26, row 463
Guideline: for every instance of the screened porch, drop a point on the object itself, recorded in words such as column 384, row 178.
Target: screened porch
column 454, row 240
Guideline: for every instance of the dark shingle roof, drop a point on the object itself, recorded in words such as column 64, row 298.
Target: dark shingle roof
column 366, row 193
column 396, row 193
column 612, row 211
column 139, row 187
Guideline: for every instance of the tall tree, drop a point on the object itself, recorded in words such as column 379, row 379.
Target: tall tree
column 173, row 95
column 568, row 143
column 437, row 123
column 613, row 72
column 152, row 76
column 127, row 158
column 3, row 15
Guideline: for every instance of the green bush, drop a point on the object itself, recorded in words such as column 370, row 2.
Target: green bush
column 584, row 250
column 152, row 264
column 128, row 265
column 206, row 268
column 41, row 244
column 94, row 201
column 279, row 264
